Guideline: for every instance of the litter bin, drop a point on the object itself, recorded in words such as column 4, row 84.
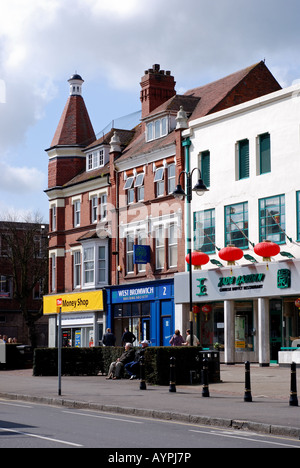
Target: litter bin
column 26, row 355
column 213, row 359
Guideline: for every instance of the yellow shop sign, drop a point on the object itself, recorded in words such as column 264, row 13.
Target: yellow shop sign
column 77, row 302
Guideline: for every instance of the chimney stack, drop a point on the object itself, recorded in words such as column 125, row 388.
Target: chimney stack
column 158, row 86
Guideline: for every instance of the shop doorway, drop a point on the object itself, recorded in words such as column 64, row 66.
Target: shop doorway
column 136, row 317
column 275, row 329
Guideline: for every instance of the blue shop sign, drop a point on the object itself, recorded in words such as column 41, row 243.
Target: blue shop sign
column 141, row 293
column 141, row 254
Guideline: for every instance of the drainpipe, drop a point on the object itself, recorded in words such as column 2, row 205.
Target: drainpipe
column 186, row 145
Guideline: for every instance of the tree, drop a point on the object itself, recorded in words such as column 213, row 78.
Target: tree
column 24, row 245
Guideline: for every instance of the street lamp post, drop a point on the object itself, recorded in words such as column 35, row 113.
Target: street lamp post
column 200, row 188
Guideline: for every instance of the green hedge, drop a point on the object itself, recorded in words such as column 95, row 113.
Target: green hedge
column 91, row 361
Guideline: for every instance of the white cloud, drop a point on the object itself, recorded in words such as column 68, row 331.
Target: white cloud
column 21, row 179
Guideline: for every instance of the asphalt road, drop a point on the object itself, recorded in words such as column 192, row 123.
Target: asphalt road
column 30, row 425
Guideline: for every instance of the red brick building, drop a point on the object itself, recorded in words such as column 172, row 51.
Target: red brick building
column 111, row 203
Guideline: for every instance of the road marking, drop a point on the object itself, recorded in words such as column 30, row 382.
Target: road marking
column 244, row 438
column 14, row 404
column 103, row 417
column 40, row 437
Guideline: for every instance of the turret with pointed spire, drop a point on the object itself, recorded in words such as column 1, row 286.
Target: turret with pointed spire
column 74, row 132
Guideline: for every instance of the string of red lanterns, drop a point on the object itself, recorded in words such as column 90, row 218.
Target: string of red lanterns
column 231, row 254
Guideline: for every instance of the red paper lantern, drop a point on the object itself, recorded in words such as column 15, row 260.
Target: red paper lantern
column 206, row 309
column 198, row 259
column 231, row 254
column 267, row 249
column 297, row 303
column 196, row 309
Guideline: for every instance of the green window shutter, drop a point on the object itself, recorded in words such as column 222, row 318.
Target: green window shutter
column 265, row 153
column 205, row 167
column 244, row 159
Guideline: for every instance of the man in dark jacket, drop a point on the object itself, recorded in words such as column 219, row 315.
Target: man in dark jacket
column 115, row 369
column 128, row 337
column 109, row 338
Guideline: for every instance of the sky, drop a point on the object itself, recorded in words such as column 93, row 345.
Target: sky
column 110, row 43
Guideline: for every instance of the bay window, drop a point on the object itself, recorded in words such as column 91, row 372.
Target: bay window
column 95, row 264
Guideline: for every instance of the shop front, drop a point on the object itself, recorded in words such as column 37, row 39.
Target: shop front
column 247, row 312
column 82, row 318
column 147, row 309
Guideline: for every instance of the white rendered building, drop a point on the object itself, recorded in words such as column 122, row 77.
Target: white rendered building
column 249, row 156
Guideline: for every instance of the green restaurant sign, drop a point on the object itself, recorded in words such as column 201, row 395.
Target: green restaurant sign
column 241, row 280
column 245, row 282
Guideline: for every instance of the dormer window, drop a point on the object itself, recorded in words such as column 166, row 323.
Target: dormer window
column 95, row 159
column 157, row 129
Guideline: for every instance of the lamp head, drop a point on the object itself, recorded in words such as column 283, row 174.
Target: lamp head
column 200, row 188
column 179, row 192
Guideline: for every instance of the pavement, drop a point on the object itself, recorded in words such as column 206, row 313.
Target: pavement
column 269, row 412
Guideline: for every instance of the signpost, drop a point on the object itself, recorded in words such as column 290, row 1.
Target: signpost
column 58, row 306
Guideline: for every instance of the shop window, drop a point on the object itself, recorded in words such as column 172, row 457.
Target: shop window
column 135, row 316
column 244, row 330
column 236, row 225
column 204, row 231
column 272, row 219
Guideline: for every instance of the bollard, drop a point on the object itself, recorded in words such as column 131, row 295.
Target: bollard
column 293, row 396
column 172, row 387
column 142, row 374
column 205, row 390
column 247, row 396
